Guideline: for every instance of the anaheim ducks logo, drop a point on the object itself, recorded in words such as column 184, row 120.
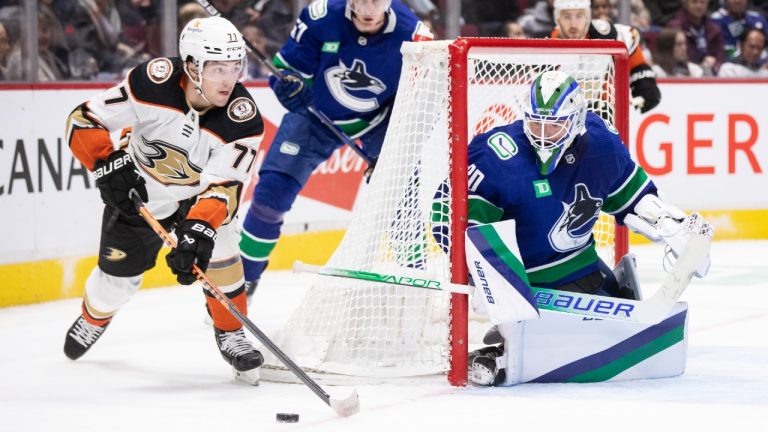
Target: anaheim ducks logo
column 241, row 110
column 113, row 254
column 159, row 70
column 167, row 163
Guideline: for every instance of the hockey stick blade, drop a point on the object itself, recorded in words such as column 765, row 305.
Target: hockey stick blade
column 348, row 406
column 677, row 280
column 572, row 303
column 345, row 408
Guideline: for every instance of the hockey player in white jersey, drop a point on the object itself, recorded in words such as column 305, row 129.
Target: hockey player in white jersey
column 561, row 166
column 573, row 19
column 190, row 135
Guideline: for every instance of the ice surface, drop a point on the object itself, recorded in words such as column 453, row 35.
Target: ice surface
column 157, row 369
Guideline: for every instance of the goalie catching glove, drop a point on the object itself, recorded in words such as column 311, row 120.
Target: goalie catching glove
column 661, row 222
column 115, row 178
column 291, row 91
column 195, row 246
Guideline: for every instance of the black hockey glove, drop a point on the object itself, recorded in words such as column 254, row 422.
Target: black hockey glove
column 642, row 82
column 115, row 177
column 292, row 91
column 195, row 246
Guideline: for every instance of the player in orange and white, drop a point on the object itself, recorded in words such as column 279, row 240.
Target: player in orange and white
column 573, row 19
column 195, row 131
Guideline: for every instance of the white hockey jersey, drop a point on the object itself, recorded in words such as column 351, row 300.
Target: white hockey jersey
column 181, row 153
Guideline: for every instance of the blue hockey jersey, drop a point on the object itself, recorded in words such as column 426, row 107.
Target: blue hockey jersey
column 554, row 214
column 354, row 76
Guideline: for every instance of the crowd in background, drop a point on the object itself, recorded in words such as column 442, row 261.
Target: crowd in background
column 103, row 39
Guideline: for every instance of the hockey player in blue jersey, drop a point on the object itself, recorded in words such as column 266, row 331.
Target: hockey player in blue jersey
column 553, row 172
column 344, row 57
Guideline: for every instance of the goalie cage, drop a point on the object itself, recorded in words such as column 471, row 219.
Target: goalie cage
column 449, row 91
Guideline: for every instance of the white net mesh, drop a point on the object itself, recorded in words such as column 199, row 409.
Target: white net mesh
column 353, row 327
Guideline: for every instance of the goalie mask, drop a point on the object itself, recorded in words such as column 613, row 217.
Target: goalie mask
column 213, row 40
column 554, row 117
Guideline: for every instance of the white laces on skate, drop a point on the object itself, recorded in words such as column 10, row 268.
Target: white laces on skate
column 235, row 343
column 85, row 333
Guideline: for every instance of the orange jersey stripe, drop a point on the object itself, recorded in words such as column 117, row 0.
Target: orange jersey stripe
column 211, row 210
column 90, row 145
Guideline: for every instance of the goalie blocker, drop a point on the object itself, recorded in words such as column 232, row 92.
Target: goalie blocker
column 585, row 349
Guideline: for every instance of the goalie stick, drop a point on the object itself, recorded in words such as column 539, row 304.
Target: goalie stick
column 312, row 109
column 649, row 311
column 345, row 407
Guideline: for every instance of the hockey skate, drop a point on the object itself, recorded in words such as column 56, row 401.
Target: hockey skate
column 484, row 366
column 81, row 336
column 250, row 289
column 238, row 351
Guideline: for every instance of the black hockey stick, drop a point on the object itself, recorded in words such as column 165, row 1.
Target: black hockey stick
column 316, row 112
column 344, row 408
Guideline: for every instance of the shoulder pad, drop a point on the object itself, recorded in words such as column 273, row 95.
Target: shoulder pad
column 629, row 35
column 159, row 70
column 157, row 82
column 602, row 28
column 239, row 119
column 241, row 109
column 318, row 9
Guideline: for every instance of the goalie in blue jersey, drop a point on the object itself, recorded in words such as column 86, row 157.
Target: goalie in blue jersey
column 343, row 57
column 552, row 173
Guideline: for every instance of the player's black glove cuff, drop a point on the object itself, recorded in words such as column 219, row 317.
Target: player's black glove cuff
column 642, row 82
column 115, row 177
column 195, row 246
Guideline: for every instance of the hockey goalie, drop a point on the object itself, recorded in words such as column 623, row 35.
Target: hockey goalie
column 538, row 185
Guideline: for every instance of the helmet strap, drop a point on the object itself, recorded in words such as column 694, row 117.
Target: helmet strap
column 198, row 83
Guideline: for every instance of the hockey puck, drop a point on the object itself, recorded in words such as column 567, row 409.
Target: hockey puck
column 287, row 418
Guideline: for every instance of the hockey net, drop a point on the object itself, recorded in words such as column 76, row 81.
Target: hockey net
column 449, row 91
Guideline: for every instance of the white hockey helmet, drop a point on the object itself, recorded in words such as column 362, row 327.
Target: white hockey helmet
column 559, row 5
column 554, row 116
column 212, row 39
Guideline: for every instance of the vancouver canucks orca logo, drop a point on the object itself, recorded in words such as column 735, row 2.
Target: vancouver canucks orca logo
column 167, row 163
column 574, row 227
column 342, row 80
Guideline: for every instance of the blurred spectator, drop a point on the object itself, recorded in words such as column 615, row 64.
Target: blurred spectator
column 488, row 15
column 663, row 11
column 5, row 48
column 92, row 29
column 236, row 11
column 255, row 35
column 53, row 54
column 704, row 37
column 671, row 56
column 639, row 17
column 140, row 36
column 733, row 18
column 511, row 29
column 601, row 9
column 276, row 17
column 188, row 12
column 748, row 63
column 538, row 21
